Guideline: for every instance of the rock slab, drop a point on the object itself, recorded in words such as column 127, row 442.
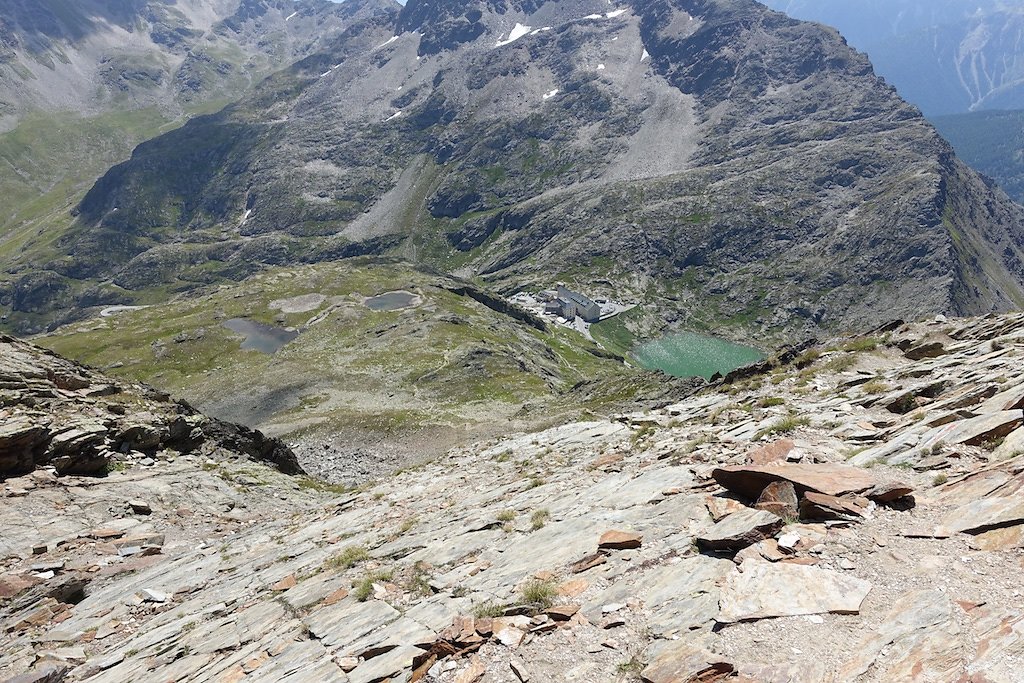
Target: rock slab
column 761, row 591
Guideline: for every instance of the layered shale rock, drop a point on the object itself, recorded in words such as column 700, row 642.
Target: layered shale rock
column 580, row 551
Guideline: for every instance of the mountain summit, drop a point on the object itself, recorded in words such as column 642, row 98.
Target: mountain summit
column 730, row 164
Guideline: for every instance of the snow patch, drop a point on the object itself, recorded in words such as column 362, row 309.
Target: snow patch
column 600, row 67
column 549, row 95
column 394, row 116
column 645, row 56
column 540, row 30
column 515, row 34
column 615, row 38
column 606, row 15
column 386, row 42
column 291, row 16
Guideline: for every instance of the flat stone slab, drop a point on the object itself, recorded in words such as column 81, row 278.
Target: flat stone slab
column 345, row 622
column 1007, row 538
column 385, row 666
column 681, row 596
column 763, row 590
column 982, row 429
column 619, row 540
column 986, row 514
column 926, row 350
column 917, row 640
column 740, row 529
column 833, row 480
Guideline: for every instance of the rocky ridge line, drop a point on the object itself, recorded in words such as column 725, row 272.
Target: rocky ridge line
column 64, row 415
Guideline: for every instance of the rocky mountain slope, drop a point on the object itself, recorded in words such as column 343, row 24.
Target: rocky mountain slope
column 91, row 56
column 945, row 56
column 83, row 82
column 991, row 142
column 66, row 416
column 735, row 166
column 848, row 513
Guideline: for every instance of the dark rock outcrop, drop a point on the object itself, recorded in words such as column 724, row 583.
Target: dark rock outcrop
column 59, row 413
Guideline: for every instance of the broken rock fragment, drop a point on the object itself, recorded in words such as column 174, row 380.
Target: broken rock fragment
column 619, row 540
column 822, row 507
column 925, row 350
column 834, row 480
column 779, row 497
column 740, row 529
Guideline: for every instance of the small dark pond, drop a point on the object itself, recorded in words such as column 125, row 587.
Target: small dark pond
column 390, row 301
column 260, row 337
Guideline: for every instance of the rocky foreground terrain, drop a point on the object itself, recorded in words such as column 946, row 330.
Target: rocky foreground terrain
column 848, row 512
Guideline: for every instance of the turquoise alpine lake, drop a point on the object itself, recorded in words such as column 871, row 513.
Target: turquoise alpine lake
column 260, row 337
column 686, row 354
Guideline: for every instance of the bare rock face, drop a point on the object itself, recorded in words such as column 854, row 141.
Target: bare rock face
column 79, row 58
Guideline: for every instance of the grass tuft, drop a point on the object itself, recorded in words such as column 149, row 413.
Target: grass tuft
column 539, row 518
column 347, row 558
column 363, row 589
column 783, row 426
column 539, row 594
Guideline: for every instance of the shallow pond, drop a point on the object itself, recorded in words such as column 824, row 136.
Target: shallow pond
column 686, row 354
column 260, row 337
column 390, row 301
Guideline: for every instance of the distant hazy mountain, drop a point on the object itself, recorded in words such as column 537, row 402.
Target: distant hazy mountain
column 945, row 56
column 727, row 164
